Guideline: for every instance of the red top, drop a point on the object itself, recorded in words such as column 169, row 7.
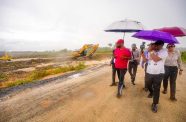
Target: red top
column 122, row 56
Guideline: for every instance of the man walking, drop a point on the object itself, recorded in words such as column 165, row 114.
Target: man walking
column 122, row 55
column 155, row 72
column 133, row 63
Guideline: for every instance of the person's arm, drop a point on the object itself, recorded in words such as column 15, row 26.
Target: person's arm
column 162, row 56
column 111, row 61
column 154, row 57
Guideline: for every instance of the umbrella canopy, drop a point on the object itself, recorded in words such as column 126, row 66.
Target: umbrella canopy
column 175, row 31
column 125, row 26
column 154, row 35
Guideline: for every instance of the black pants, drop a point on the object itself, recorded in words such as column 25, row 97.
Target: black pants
column 171, row 73
column 145, row 83
column 122, row 73
column 132, row 68
column 114, row 70
column 155, row 81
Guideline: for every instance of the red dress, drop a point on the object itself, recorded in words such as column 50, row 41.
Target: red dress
column 120, row 57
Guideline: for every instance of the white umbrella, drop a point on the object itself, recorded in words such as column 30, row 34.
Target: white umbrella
column 124, row 26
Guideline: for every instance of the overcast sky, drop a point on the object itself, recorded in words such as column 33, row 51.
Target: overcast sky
column 58, row 24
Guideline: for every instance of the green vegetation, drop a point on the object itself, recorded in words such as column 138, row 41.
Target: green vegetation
column 41, row 73
column 183, row 56
column 104, row 50
column 3, row 77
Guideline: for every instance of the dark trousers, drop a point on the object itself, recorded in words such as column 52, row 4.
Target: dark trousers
column 145, row 83
column 132, row 68
column 155, row 81
column 122, row 73
column 114, row 70
column 171, row 73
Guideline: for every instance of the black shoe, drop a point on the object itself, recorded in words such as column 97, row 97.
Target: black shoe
column 118, row 95
column 164, row 91
column 113, row 84
column 154, row 108
column 150, row 95
column 173, row 99
column 120, row 91
column 133, row 83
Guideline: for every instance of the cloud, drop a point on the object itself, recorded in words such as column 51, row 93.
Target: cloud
column 57, row 24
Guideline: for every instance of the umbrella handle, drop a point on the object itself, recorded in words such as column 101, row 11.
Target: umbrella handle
column 123, row 35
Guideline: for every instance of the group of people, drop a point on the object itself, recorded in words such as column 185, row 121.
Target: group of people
column 159, row 65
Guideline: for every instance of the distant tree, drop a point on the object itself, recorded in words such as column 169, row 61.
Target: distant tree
column 110, row 45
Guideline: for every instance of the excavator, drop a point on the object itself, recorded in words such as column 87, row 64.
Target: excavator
column 86, row 51
column 6, row 57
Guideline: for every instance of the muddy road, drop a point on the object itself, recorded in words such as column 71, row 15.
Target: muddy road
column 89, row 98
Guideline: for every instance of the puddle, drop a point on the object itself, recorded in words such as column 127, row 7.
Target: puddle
column 75, row 75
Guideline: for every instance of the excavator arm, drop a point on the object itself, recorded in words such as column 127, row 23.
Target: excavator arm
column 93, row 50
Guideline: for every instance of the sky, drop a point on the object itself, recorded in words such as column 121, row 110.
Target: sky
column 38, row 25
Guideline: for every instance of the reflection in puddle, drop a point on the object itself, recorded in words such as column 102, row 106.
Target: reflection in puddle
column 75, row 75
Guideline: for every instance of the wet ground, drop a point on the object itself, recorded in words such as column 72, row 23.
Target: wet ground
column 87, row 97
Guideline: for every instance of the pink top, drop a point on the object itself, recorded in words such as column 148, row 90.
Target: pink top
column 122, row 56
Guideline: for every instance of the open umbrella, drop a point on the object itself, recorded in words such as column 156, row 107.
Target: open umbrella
column 175, row 31
column 124, row 26
column 154, row 35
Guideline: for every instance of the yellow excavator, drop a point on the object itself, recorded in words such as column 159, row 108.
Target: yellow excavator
column 6, row 57
column 86, row 51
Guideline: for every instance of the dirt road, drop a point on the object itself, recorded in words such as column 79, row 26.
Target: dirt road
column 89, row 98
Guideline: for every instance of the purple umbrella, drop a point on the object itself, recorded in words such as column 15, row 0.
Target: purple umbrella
column 154, row 35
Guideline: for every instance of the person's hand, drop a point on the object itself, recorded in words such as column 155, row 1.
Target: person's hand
column 180, row 72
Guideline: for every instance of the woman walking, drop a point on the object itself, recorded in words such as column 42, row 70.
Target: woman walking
column 173, row 63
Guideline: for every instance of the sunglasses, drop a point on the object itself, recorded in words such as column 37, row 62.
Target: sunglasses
column 170, row 46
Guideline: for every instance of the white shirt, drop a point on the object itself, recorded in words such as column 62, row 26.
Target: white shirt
column 157, row 67
column 174, row 59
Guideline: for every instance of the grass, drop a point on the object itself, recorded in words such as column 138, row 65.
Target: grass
column 41, row 73
column 104, row 50
column 183, row 56
column 3, row 77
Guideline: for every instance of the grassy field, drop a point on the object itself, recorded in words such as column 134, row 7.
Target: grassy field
column 22, row 78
